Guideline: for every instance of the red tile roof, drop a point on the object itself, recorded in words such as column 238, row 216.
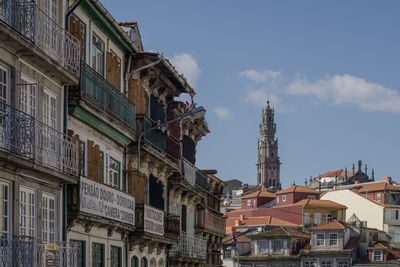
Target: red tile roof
column 281, row 232
column 336, row 173
column 297, row 188
column 332, row 225
column 379, row 186
column 259, row 193
column 255, row 221
column 319, row 203
column 240, row 237
column 352, row 243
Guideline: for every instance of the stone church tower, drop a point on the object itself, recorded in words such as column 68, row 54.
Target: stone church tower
column 268, row 163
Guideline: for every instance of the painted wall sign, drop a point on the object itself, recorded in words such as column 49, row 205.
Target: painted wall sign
column 102, row 200
column 153, row 220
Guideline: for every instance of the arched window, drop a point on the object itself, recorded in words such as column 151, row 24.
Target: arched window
column 134, row 262
column 153, row 262
column 143, row 262
column 161, row 263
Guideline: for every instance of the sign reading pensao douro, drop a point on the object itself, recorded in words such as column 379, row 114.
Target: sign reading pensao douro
column 102, row 200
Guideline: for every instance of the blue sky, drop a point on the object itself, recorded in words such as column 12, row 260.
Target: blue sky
column 331, row 69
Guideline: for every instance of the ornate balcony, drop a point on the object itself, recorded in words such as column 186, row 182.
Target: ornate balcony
column 188, row 172
column 156, row 222
column 155, row 138
column 30, row 252
column 214, row 222
column 100, row 94
column 27, row 19
column 191, row 246
column 25, row 136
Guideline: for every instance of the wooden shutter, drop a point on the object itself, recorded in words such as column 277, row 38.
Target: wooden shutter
column 132, row 83
column 109, row 68
column 95, row 164
column 76, row 29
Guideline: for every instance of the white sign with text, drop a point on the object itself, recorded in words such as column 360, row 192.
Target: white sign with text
column 153, row 220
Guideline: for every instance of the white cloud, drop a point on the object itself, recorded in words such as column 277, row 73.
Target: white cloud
column 348, row 89
column 260, row 96
column 222, row 112
column 260, row 77
column 187, row 65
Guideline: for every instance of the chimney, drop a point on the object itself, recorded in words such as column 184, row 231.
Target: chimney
column 242, row 216
column 388, row 180
column 238, row 222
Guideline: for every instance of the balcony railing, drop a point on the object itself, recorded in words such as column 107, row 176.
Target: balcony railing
column 214, row 222
column 30, row 21
column 156, row 222
column 173, row 148
column 20, row 251
column 156, row 138
column 189, row 245
column 188, row 172
column 201, row 179
column 101, row 94
column 22, row 134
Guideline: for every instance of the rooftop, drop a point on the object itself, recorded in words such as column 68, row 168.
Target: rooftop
column 336, row 173
column 319, row 203
column 259, row 193
column 258, row 221
column 297, row 189
column 332, row 225
column 281, row 232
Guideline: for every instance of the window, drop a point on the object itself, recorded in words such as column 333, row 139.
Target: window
column 310, row 264
column 306, row 218
column 81, row 252
column 333, row 239
column 134, row 262
column 262, row 246
column 254, row 202
column 28, row 96
column 325, row 263
column 4, row 210
column 342, row 263
column 183, row 218
column 51, row 9
column 249, row 202
column 49, row 217
column 97, row 255
column 143, row 262
column 4, row 84
column 227, row 253
column 378, row 197
column 329, row 217
column 98, row 54
column 377, row 255
column 277, row 200
column 27, row 214
column 317, row 218
column 49, row 109
column 116, row 256
column 283, row 198
column 277, row 245
column 320, row 239
column 397, row 214
column 113, row 172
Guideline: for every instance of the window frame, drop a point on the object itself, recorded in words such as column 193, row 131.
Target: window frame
column 8, row 204
column 119, row 255
column 82, row 249
column 317, row 216
column 45, row 219
column 336, row 240
column 6, row 84
column 284, row 198
column 317, row 239
column 32, row 208
column 380, row 255
column 307, row 218
column 343, row 263
column 102, row 253
column 48, row 112
column 378, row 197
column 326, row 263
column 109, row 168
column 97, row 49
column 25, row 103
column 119, row 67
column 275, row 247
column 265, row 248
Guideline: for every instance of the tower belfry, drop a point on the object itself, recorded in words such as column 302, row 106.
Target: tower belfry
column 268, row 163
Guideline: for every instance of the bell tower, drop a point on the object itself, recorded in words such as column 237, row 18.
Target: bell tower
column 268, row 163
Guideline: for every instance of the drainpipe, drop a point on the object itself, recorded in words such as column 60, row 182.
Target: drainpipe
column 64, row 187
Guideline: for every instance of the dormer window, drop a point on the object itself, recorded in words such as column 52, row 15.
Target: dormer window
column 378, row 197
column 377, row 255
column 283, row 198
column 320, row 239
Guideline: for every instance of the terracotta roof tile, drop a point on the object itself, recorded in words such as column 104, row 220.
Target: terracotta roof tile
column 297, row 188
column 319, row 203
column 378, row 186
column 255, row 221
column 379, row 245
column 352, row 243
column 332, row 225
column 281, row 232
column 240, row 237
column 336, row 173
column 259, row 193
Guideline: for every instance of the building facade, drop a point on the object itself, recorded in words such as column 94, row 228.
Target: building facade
column 268, row 162
column 38, row 60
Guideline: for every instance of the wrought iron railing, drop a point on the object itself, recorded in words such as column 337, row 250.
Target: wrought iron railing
column 188, row 172
column 30, row 21
column 19, row 251
column 173, row 148
column 104, row 96
column 23, row 135
column 190, row 245
column 172, row 226
column 201, row 179
column 156, row 138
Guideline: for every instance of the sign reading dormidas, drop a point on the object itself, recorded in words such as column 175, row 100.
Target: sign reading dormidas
column 153, row 220
column 102, row 200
